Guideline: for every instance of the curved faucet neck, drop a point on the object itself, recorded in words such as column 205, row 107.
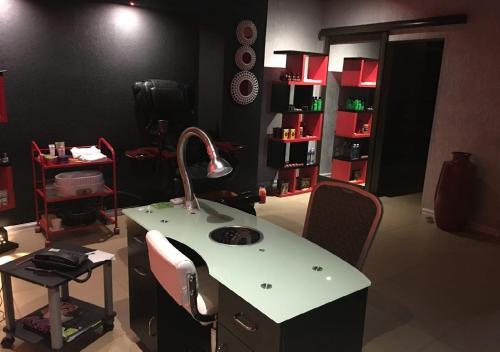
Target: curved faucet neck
column 190, row 201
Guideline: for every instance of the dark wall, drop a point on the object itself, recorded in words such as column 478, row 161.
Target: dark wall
column 70, row 69
column 242, row 123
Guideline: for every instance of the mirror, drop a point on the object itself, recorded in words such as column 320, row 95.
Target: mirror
column 246, row 32
column 245, row 58
column 244, row 87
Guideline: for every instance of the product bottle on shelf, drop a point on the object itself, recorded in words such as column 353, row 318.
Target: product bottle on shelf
column 313, row 104
column 4, row 159
column 320, row 104
column 262, row 194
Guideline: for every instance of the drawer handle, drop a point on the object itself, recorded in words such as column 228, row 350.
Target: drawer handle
column 150, row 324
column 140, row 272
column 248, row 325
column 138, row 239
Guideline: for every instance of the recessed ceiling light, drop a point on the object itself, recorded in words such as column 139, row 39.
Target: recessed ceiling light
column 132, row 3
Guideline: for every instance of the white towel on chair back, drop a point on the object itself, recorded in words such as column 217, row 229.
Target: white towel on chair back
column 170, row 267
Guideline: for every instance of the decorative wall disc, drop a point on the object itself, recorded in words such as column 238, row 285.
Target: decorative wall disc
column 246, row 32
column 244, row 87
column 245, row 58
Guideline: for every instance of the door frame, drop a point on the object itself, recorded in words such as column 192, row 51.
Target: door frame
column 379, row 31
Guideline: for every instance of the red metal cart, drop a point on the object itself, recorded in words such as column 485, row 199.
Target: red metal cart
column 41, row 166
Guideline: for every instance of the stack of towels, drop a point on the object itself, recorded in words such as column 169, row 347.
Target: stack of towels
column 88, row 154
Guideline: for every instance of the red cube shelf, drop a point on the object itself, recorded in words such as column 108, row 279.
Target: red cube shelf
column 359, row 72
column 312, row 67
column 291, row 175
column 350, row 124
column 344, row 170
column 7, row 183
column 312, row 123
column 3, row 105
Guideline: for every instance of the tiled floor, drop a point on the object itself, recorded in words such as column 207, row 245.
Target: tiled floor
column 432, row 291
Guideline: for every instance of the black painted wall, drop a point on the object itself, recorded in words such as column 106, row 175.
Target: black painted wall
column 71, row 66
column 242, row 123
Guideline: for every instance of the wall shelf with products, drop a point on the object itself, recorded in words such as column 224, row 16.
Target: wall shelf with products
column 354, row 120
column 3, row 105
column 7, row 198
column 295, row 181
column 354, row 124
column 359, row 72
column 350, row 171
column 304, row 68
column 292, row 148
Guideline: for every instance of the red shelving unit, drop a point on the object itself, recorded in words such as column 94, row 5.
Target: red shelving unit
column 292, row 175
column 296, row 140
column 7, row 184
column 346, row 170
column 40, row 179
column 3, row 105
column 359, row 72
column 312, row 67
column 292, row 158
column 350, row 124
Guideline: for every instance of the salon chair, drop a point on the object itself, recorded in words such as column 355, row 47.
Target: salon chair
column 163, row 109
column 191, row 287
column 343, row 219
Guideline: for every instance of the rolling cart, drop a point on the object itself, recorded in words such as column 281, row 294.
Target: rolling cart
column 89, row 319
column 42, row 175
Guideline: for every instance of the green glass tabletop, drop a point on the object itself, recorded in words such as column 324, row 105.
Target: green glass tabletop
column 302, row 276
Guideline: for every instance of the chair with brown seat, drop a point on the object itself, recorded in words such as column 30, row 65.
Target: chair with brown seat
column 343, row 219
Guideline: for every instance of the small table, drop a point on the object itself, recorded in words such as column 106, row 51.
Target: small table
column 57, row 286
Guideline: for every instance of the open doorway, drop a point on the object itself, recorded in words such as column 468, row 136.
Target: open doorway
column 408, row 96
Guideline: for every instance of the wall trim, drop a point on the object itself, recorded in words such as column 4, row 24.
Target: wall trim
column 473, row 226
column 427, row 212
column 484, row 229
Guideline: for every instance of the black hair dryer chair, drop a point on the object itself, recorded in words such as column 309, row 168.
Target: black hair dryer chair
column 163, row 109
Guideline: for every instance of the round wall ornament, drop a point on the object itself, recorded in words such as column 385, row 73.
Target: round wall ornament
column 246, row 32
column 245, row 58
column 244, row 87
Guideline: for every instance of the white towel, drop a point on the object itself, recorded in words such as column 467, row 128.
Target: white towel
column 88, row 154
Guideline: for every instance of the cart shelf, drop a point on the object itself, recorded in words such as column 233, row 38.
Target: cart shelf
column 72, row 163
column 90, row 318
column 55, row 199
column 97, row 224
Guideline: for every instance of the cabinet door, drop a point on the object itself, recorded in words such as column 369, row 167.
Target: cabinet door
column 227, row 342
column 142, row 288
column 247, row 323
column 143, row 305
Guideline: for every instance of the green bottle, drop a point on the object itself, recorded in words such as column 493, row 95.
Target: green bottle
column 320, row 104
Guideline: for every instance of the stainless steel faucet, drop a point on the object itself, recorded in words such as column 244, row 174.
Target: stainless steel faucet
column 217, row 166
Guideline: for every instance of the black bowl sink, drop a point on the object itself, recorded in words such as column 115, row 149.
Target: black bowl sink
column 236, row 235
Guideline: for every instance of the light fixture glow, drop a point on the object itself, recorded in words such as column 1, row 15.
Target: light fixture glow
column 328, row 278
column 4, row 5
column 126, row 18
column 132, row 3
